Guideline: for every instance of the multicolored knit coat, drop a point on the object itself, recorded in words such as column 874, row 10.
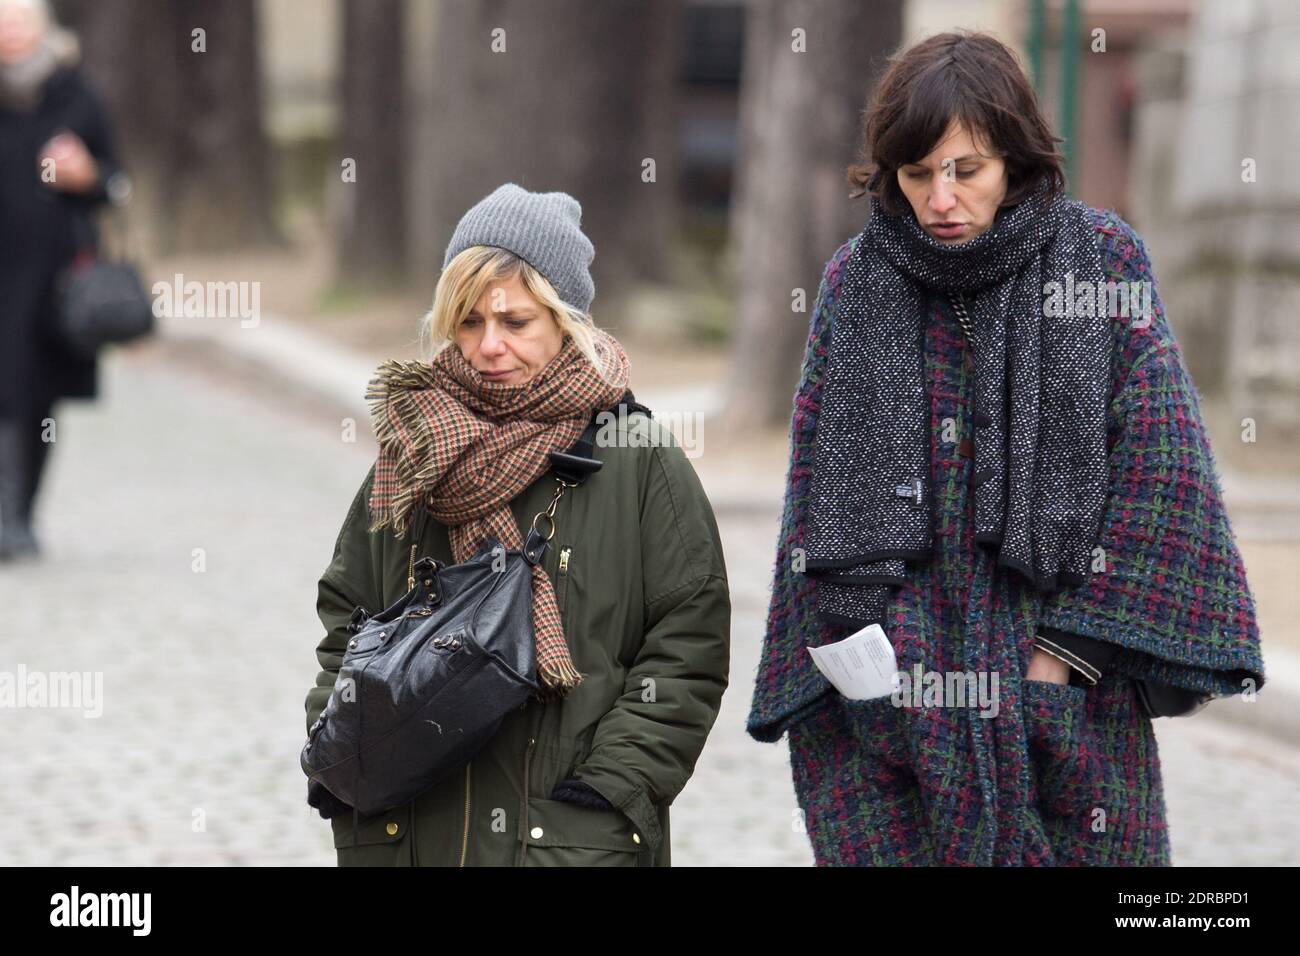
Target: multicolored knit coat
column 1062, row 775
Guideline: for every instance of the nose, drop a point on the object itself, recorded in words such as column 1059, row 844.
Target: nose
column 492, row 345
column 942, row 198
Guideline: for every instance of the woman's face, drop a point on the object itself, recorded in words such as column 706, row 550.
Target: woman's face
column 956, row 190
column 508, row 336
column 20, row 29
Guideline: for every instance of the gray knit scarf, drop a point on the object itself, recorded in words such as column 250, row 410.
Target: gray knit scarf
column 1040, row 391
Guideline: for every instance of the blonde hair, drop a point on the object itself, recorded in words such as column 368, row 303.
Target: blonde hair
column 466, row 277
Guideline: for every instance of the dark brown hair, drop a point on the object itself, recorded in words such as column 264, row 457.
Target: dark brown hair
column 973, row 78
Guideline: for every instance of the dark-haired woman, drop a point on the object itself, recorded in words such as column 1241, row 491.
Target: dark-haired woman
column 998, row 457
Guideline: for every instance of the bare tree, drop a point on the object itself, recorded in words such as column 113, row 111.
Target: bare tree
column 372, row 222
column 563, row 95
column 183, row 85
column 809, row 67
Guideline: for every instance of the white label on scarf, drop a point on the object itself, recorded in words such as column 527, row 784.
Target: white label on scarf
column 862, row 666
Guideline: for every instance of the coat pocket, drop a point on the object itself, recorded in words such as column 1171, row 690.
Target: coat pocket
column 877, row 726
column 378, row 840
column 1070, row 773
column 856, row 787
column 559, row 833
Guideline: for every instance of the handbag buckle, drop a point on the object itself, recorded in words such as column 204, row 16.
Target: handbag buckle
column 534, row 547
column 549, row 513
column 358, row 619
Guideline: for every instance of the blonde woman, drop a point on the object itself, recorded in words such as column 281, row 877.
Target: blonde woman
column 632, row 614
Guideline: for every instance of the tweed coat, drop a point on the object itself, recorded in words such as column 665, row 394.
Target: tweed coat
column 1062, row 775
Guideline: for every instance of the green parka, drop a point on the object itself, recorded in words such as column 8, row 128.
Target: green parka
column 641, row 585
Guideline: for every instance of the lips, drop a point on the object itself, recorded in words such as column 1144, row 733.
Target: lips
column 494, row 376
column 947, row 230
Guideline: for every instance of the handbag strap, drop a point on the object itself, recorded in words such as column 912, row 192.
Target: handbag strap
column 580, row 461
column 570, row 469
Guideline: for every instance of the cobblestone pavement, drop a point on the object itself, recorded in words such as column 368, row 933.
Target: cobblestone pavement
column 186, row 520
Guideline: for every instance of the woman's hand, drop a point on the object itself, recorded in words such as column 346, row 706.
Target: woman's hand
column 1043, row 666
column 75, row 169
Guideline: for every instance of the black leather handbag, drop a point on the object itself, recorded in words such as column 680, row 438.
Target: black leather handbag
column 99, row 301
column 426, row 683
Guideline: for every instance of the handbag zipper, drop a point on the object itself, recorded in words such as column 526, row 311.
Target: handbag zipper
column 464, row 840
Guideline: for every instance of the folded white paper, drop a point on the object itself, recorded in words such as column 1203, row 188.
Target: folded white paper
column 861, row 666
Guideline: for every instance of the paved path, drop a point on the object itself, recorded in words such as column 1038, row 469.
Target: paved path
column 194, row 760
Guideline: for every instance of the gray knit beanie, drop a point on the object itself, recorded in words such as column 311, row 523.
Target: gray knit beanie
column 543, row 229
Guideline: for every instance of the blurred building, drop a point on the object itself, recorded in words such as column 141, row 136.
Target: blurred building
column 1185, row 116
column 1220, row 126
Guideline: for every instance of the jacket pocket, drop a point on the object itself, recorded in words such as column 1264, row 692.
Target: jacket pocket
column 559, row 833
column 378, row 840
column 1069, row 772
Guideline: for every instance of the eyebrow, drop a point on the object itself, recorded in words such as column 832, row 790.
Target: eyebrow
column 507, row 313
column 959, row 159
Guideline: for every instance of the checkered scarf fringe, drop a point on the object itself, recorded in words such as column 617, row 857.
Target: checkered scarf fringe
column 469, row 447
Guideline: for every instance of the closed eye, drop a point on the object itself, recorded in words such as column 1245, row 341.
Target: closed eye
column 923, row 174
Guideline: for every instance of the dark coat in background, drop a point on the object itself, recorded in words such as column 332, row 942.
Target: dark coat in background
column 41, row 229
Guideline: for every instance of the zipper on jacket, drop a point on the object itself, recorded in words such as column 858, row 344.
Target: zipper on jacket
column 528, row 752
column 410, row 570
column 464, row 840
column 563, row 576
column 524, row 789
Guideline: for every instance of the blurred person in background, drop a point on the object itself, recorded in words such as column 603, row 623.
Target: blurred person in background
column 56, row 164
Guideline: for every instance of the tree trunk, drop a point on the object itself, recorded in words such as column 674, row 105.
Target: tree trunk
column 800, row 116
column 372, row 207
column 580, row 98
column 190, row 122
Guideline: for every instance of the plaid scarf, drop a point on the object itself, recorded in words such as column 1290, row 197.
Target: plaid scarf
column 469, row 447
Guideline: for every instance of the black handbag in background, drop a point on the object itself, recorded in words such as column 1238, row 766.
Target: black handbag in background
column 100, row 301
column 425, row 684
